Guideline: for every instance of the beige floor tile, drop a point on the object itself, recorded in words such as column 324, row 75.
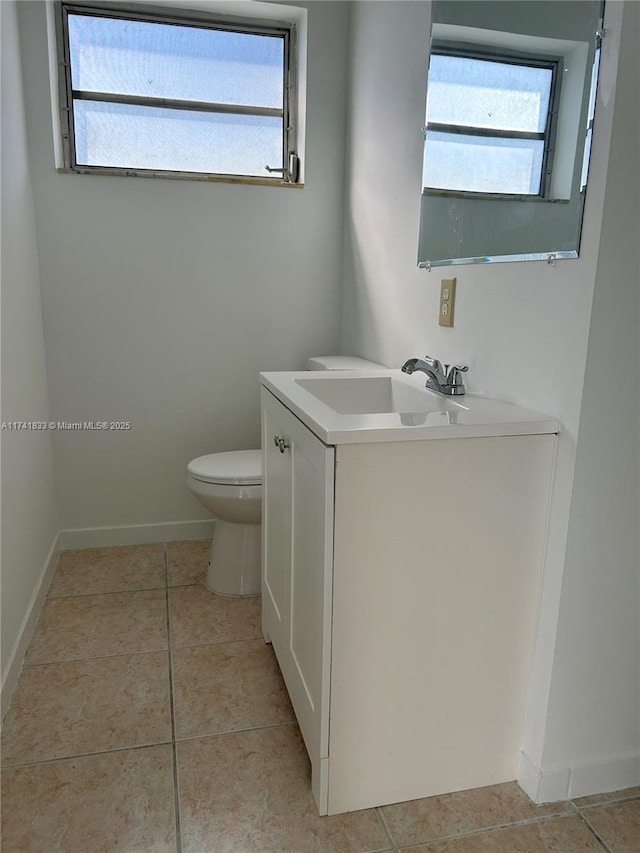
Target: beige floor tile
column 609, row 797
column 618, row 825
column 250, row 791
column 558, row 835
column 420, row 821
column 65, row 709
column 92, row 626
column 187, row 562
column 115, row 801
column 95, row 570
column 226, row 687
column 200, row 617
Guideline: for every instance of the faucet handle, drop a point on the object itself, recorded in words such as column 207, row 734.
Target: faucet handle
column 454, row 371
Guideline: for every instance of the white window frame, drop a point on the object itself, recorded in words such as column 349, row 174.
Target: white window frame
column 288, row 175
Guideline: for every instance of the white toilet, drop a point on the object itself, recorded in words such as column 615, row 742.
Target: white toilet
column 229, row 485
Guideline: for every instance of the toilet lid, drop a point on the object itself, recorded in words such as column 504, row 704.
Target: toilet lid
column 235, row 468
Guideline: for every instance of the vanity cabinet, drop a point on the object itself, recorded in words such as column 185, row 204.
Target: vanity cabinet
column 400, row 591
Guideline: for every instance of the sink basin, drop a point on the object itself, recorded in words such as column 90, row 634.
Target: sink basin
column 350, row 406
column 356, row 395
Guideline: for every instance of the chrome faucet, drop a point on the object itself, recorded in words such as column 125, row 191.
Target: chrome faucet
column 445, row 379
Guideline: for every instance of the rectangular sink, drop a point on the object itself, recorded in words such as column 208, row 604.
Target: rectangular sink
column 356, row 395
column 350, row 406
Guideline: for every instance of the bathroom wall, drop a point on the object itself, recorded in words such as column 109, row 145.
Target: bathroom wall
column 523, row 328
column 599, row 632
column 29, row 522
column 163, row 299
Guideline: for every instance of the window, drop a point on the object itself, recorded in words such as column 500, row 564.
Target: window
column 164, row 94
column 490, row 123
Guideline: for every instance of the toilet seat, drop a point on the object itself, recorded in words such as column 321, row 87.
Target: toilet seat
column 232, row 468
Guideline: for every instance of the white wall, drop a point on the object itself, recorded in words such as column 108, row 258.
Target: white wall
column 593, row 710
column 29, row 523
column 163, row 299
column 522, row 327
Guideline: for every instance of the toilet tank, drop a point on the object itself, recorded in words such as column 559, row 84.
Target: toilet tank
column 342, row 362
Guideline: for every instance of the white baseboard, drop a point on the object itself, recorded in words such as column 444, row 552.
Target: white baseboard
column 14, row 665
column 611, row 773
column 543, row 786
column 135, row 534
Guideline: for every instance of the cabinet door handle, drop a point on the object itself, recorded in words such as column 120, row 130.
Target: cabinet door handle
column 280, row 443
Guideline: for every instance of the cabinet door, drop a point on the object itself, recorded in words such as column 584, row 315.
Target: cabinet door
column 297, row 572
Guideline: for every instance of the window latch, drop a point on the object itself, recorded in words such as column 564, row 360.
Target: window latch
column 290, row 174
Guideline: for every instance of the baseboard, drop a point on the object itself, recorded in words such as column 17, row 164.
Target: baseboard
column 135, row 534
column 543, row 786
column 583, row 779
column 612, row 774
column 12, row 670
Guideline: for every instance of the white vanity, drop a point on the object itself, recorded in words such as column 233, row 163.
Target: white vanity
column 403, row 536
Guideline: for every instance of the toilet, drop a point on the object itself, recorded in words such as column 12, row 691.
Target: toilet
column 229, row 485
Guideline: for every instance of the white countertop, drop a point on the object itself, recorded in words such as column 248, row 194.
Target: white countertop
column 435, row 415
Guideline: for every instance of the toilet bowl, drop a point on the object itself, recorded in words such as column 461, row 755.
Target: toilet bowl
column 229, row 485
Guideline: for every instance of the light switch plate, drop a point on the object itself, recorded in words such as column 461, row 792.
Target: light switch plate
column 447, row 301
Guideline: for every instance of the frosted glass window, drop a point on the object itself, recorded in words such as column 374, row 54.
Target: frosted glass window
column 168, row 61
column 480, row 93
column 135, row 137
column 178, row 94
column 488, row 124
column 482, row 165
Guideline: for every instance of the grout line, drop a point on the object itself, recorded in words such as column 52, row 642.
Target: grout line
column 385, row 826
column 141, row 651
column 594, row 833
column 106, row 592
column 176, row 792
column 13, row 765
column 116, row 547
column 238, row 731
column 485, row 829
column 97, row 657
column 219, row 643
column 201, row 583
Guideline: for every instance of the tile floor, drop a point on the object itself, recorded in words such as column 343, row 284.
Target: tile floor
column 151, row 717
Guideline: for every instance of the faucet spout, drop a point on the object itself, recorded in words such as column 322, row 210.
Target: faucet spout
column 431, row 365
column 444, row 380
column 433, row 371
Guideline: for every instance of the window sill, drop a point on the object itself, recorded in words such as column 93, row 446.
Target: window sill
column 180, row 176
column 491, row 196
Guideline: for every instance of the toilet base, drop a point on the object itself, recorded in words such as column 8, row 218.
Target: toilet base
column 234, row 561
